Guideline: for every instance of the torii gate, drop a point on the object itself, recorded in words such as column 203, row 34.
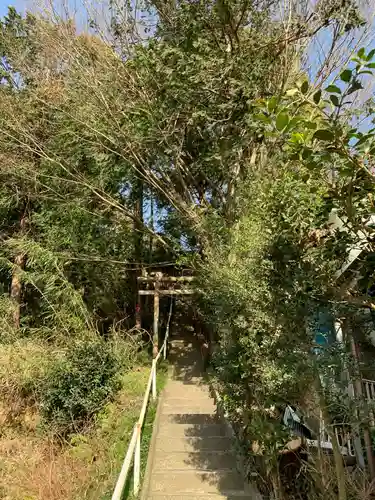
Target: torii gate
column 160, row 283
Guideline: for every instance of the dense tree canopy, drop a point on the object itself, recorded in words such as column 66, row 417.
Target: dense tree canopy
column 205, row 145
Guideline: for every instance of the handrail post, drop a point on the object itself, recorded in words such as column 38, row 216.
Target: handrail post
column 117, row 494
column 154, row 380
column 137, row 460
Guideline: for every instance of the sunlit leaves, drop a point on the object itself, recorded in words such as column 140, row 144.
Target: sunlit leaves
column 272, row 104
column 333, row 88
column 282, row 121
column 292, row 92
column 361, row 52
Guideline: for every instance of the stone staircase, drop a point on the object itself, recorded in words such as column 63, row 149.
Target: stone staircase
column 191, row 455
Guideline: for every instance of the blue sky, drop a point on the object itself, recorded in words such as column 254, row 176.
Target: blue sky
column 3, row 7
column 5, row 3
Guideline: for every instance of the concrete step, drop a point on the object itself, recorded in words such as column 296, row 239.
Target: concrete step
column 183, row 361
column 188, row 430
column 189, row 409
column 200, row 385
column 193, row 444
column 186, row 393
column 192, row 407
column 196, row 483
column 195, row 398
column 188, row 418
column 237, row 496
column 199, row 461
column 177, row 343
column 182, row 352
column 186, row 379
column 198, row 405
column 192, row 455
column 188, row 367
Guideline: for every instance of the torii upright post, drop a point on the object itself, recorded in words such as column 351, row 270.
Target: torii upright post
column 155, row 349
column 138, row 316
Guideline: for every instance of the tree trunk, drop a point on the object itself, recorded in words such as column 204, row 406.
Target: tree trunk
column 138, row 250
column 16, row 288
column 339, row 464
column 359, row 393
column 138, row 221
column 16, row 284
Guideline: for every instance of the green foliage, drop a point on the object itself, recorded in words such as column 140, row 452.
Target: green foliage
column 78, row 387
column 212, row 125
column 264, row 282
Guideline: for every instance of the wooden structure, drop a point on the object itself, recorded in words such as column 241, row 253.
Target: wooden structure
column 157, row 285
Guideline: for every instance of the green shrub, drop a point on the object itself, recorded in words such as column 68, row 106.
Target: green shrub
column 78, row 386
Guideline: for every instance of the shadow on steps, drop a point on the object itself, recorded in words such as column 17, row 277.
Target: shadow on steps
column 194, row 457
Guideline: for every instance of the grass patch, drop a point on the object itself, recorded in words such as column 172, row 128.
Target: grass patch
column 34, row 467
column 146, row 435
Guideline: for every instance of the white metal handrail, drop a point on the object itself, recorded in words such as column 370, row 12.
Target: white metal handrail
column 134, row 448
column 343, row 436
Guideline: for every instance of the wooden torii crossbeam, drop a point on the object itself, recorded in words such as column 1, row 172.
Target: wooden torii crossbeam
column 159, row 282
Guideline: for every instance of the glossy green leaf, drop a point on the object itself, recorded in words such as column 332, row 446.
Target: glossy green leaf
column 363, row 140
column 282, row 121
column 361, row 53
column 305, row 87
column 324, row 135
column 297, row 138
column 293, row 122
column 371, row 65
column 311, row 165
column 306, row 153
column 346, row 75
column 262, row 117
column 317, row 96
column 272, row 103
column 370, row 55
column 335, row 100
column 333, row 88
column 310, row 125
